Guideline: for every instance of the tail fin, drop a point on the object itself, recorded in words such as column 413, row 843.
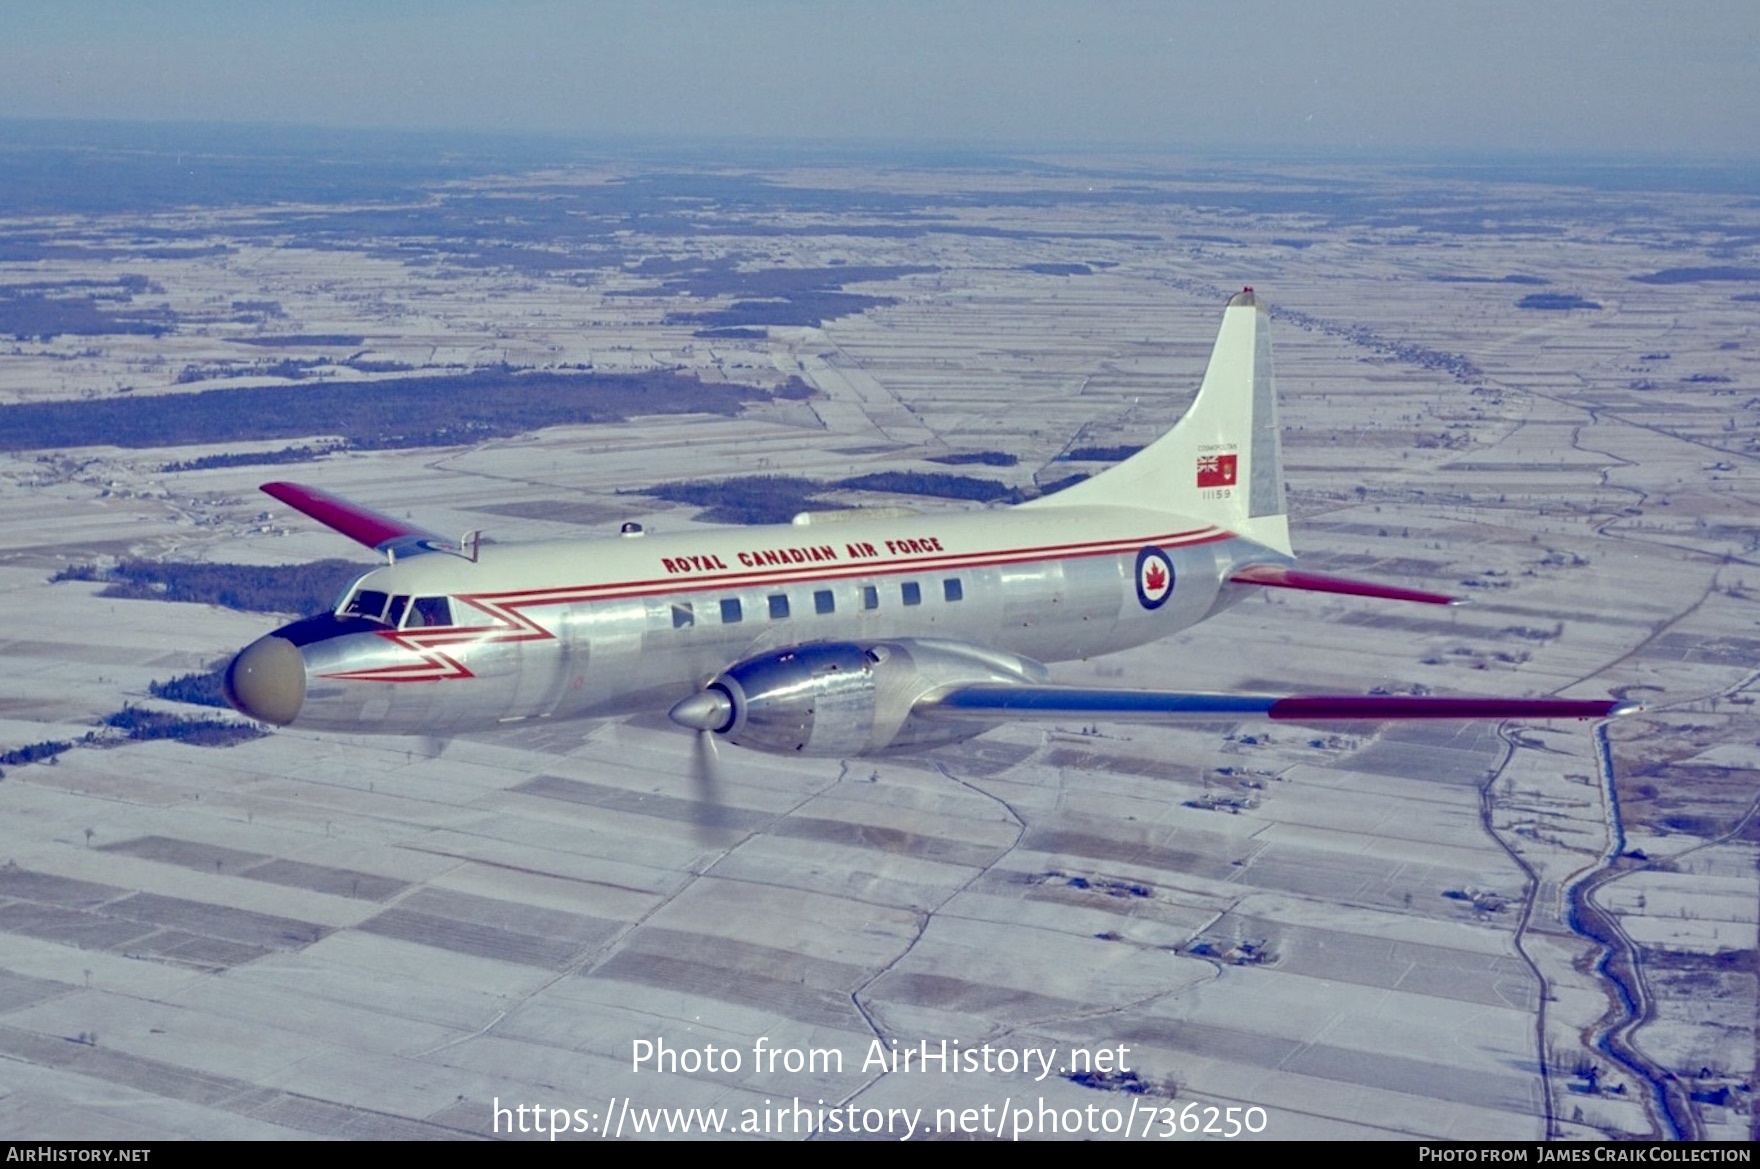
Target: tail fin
column 1222, row 463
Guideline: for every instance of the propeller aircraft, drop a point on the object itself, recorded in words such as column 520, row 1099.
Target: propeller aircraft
column 844, row 633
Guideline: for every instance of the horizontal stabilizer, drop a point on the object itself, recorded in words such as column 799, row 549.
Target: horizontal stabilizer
column 1278, row 577
column 1002, row 702
column 363, row 525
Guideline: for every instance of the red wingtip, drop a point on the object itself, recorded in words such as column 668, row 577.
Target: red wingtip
column 1279, row 577
column 354, row 521
column 1377, row 707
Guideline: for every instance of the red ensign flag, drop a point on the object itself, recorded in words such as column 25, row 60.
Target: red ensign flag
column 1216, row 470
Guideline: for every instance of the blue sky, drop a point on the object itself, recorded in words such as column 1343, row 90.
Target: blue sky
column 1566, row 76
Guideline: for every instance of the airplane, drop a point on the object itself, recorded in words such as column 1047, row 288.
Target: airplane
column 844, row 633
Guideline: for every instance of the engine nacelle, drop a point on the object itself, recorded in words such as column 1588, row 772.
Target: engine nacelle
column 841, row 698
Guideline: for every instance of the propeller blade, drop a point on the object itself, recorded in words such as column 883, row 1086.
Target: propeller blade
column 710, row 814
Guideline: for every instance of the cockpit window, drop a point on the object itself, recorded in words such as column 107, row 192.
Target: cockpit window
column 347, row 593
column 416, row 613
column 369, row 603
column 428, row 612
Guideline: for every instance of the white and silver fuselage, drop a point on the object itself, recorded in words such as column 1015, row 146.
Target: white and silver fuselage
column 439, row 643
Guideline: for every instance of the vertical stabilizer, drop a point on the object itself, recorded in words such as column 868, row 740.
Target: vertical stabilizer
column 1222, row 463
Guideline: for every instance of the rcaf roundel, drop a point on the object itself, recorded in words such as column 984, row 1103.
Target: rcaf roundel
column 1154, row 578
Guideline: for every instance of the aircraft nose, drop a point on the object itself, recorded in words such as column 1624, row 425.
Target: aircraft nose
column 267, row 681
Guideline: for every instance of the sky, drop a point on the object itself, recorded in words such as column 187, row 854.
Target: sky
column 1578, row 77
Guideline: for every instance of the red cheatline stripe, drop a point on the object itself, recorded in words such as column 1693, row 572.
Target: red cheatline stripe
column 844, row 570
column 812, row 571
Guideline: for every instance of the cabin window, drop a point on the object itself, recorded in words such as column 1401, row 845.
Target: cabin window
column 730, row 612
column 824, row 602
column 952, row 589
column 394, row 615
column 778, row 606
column 870, row 597
column 912, row 592
column 683, row 616
column 368, row 603
column 429, row 612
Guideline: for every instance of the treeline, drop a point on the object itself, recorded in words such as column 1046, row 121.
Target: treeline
column 736, row 333
column 1099, row 454
column 291, row 368
column 724, row 277
column 1454, row 364
column 810, row 309
column 1555, row 300
column 1720, row 272
column 1056, row 485
column 937, row 484
column 204, row 689
column 34, row 753
column 986, row 458
column 296, row 588
column 777, row 296
column 774, row 499
column 43, row 317
column 141, row 726
column 287, row 454
column 400, row 412
column 760, row 499
column 291, row 340
column 136, row 725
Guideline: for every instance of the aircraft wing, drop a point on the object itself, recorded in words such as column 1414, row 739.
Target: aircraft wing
column 376, row 530
column 1278, row 576
column 1008, row 702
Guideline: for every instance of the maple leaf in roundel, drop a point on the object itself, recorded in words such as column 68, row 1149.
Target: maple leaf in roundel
column 1155, row 579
